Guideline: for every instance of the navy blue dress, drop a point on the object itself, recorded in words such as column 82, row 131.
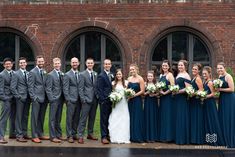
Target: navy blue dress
column 136, row 115
column 197, row 129
column 227, row 115
column 212, row 125
column 166, row 127
column 182, row 135
column 150, row 118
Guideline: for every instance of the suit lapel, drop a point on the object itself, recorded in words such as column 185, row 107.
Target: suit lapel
column 106, row 77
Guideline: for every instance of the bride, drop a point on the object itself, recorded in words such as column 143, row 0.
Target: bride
column 119, row 120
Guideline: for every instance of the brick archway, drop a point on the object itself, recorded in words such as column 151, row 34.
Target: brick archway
column 26, row 32
column 105, row 27
column 181, row 25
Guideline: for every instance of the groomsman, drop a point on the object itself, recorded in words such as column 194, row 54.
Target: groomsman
column 104, row 88
column 19, row 88
column 36, row 83
column 8, row 104
column 89, row 101
column 54, row 90
column 71, row 92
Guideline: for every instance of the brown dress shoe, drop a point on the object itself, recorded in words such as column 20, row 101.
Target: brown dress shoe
column 44, row 138
column 80, row 140
column 21, row 139
column 91, row 137
column 104, row 141
column 36, row 140
column 27, row 137
column 70, row 140
column 56, row 140
column 3, row 141
column 75, row 138
column 62, row 138
column 12, row 137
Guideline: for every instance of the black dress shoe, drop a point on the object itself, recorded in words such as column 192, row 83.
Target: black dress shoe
column 12, row 137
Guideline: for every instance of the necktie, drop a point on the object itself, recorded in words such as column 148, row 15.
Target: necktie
column 110, row 78
column 76, row 75
column 91, row 75
column 41, row 73
column 60, row 77
column 25, row 78
column 10, row 74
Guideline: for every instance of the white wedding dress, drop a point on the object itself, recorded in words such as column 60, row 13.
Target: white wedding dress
column 119, row 120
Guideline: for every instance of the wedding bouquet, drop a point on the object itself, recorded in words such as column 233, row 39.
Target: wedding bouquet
column 174, row 88
column 160, row 85
column 128, row 92
column 115, row 97
column 151, row 88
column 217, row 83
column 202, row 95
column 190, row 91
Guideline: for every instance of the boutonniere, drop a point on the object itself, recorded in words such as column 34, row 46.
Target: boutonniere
column 62, row 74
column 44, row 72
column 112, row 76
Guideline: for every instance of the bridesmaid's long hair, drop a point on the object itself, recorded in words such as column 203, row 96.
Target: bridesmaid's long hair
column 116, row 80
column 209, row 70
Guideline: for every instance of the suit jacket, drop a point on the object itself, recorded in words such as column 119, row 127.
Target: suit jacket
column 36, row 85
column 54, row 86
column 70, row 86
column 104, row 86
column 88, row 88
column 5, row 81
column 19, row 86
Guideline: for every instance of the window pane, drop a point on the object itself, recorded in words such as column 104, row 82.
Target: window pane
column 160, row 52
column 7, row 45
column 25, row 50
column 112, row 52
column 156, row 68
column 179, row 46
column 73, row 50
column 93, row 45
column 199, row 51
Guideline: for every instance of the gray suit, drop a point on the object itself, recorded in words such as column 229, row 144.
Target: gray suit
column 54, row 90
column 36, row 83
column 19, row 88
column 89, row 102
column 71, row 93
column 8, row 104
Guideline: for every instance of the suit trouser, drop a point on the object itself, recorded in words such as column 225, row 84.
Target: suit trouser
column 72, row 118
column 55, row 115
column 7, row 110
column 37, row 118
column 88, row 111
column 22, row 116
column 105, row 110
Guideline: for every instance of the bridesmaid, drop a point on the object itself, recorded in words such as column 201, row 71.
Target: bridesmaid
column 150, row 111
column 211, row 119
column 166, row 127
column 136, row 82
column 181, row 105
column 226, row 106
column 196, row 109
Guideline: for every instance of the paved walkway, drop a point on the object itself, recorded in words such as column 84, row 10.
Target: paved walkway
column 98, row 144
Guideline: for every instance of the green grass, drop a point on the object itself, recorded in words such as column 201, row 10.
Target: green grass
column 63, row 123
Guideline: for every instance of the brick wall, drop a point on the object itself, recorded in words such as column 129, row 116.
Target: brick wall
column 48, row 27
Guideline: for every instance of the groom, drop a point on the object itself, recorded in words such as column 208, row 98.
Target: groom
column 104, row 88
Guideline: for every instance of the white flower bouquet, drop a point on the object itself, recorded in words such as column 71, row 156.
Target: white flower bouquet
column 151, row 88
column 174, row 88
column 128, row 92
column 115, row 97
column 217, row 83
column 202, row 95
column 190, row 91
column 160, row 85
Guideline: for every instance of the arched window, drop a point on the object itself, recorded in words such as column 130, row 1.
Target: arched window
column 96, row 45
column 180, row 45
column 14, row 47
